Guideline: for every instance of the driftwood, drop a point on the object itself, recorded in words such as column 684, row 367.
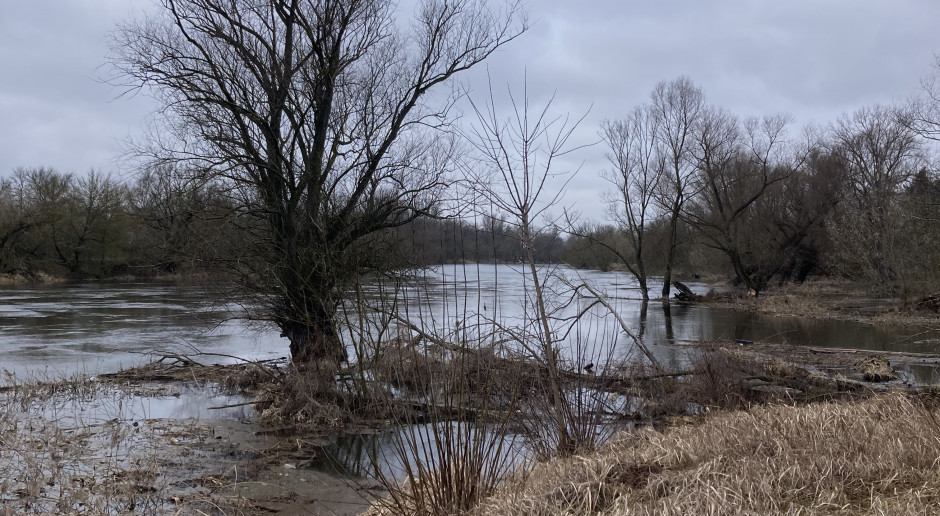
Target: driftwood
column 684, row 294
column 618, row 383
column 839, row 351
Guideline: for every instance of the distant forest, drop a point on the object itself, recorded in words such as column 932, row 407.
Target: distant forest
column 859, row 200
column 167, row 222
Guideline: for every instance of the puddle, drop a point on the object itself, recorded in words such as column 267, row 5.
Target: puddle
column 391, row 453
column 175, row 402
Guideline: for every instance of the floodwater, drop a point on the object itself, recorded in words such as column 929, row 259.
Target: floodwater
column 60, row 330
column 57, row 330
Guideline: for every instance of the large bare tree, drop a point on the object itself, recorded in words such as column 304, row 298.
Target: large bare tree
column 638, row 163
column 880, row 152
column 737, row 165
column 318, row 114
column 679, row 106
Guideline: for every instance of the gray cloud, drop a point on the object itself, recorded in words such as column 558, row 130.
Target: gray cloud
column 54, row 110
column 813, row 58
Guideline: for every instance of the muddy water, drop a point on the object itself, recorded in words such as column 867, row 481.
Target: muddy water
column 90, row 328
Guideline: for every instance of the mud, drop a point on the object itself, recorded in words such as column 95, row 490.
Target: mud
column 96, row 446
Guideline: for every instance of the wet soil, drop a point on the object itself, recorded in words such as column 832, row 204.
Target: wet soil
column 148, row 442
column 257, row 473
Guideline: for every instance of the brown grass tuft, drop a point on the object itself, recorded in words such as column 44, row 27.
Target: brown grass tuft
column 877, row 456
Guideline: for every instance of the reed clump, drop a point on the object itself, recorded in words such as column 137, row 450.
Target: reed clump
column 875, row 456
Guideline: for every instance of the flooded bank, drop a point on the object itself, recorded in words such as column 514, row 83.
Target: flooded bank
column 180, row 436
column 97, row 446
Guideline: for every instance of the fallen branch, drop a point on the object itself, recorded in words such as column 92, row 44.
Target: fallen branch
column 235, row 405
column 602, row 299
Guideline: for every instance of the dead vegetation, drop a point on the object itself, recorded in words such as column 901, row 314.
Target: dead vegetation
column 76, row 447
column 473, row 415
column 876, row 456
column 877, row 369
column 834, row 299
column 734, row 385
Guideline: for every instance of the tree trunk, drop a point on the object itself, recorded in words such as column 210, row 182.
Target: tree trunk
column 671, row 253
column 314, row 343
column 641, row 271
column 644, row 288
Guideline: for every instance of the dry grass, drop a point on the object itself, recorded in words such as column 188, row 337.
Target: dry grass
column 835, row 299
column 877, row 456
column 457, row 447
column 791, row 300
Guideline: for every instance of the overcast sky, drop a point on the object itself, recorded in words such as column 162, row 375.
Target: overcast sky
column 814, row 59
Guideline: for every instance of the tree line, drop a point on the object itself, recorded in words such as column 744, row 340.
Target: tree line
column 691, row 180
column 691, row 186
column 835, row 205
column 165, row 221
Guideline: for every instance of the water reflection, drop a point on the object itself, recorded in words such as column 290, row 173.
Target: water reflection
column 64, row 329
column 393, row 453
column 60, row 330
column 115, row 405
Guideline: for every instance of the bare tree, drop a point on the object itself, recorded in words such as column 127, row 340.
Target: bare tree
column 515, row 166
column 678, row 106
column 923, row 111
column 318, row 115
column 880, row 153
column 172, row 206
column 91, row 236
column 736, row 166
column 638, row 163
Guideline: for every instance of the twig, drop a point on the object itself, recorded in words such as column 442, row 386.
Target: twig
column 234, row 405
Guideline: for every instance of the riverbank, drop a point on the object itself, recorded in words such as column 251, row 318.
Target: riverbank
column 85, row 444
column 759, row 412
column 873, row 456
column 832, row 299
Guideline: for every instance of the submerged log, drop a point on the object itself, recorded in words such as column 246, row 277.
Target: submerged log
column 617, row 383
column 684, row 294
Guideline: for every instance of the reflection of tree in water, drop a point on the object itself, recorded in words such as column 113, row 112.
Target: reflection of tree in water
column 644, row 311
column 351, row 454
column 667, row 320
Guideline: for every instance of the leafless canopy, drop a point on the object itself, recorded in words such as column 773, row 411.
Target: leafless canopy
column 638, row 162
column 317, row 112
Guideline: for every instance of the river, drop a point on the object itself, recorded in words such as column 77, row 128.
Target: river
column 62, row 329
